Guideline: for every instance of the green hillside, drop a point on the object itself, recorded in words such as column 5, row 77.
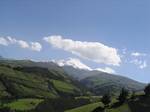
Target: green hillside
column 24, row 84
column 64, row 87
column 20, row 84
column 23, row 104
column 102, row 83
column 20, row 81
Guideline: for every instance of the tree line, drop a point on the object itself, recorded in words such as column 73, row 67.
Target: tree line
column 122, row 98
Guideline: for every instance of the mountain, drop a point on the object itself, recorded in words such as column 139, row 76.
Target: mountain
column 45, row 86
column 28, row 79
column 101, row 82
column 76, row 72
column 50, row 74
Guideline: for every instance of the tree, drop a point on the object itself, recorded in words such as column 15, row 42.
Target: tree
column 133, row 96
column 147, row 90
column 5, row 109
column 123, row 95
column 106, row 99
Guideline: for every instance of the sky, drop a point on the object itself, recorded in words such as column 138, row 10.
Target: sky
column 107, row 35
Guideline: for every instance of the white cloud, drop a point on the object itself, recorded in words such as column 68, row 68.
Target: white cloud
column 94, row 51
column 76, row 63
column 35, row 46
column 23, row 44
column 3, row 41
column 141, row 64
column 137, row 54
column 106, row 69
column 11, row 40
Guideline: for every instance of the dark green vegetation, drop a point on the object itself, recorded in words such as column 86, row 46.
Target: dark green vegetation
column 60, row 104
column 123, row 96
column 27, row 86
column 106, row 99
column 147, row 90
column 140, row 103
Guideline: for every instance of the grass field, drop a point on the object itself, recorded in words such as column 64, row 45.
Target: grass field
column 91, row 107
column 86, row 108
column 23, row 104
column 63, row 86
column 122, row 108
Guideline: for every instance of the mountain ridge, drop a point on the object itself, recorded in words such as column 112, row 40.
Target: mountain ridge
column 101, row 82
column 97, row 82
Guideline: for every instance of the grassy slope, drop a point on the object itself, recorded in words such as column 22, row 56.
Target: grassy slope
column 86, row 108
column 34, row 82
column 122, row 108
column 24, row 84
column 101, row 83
column 23, row 104
column 64, row 86
column 91, row 107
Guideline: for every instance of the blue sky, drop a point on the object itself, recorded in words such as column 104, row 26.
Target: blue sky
column 123, row 25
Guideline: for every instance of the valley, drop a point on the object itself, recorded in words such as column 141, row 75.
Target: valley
column 28, row 86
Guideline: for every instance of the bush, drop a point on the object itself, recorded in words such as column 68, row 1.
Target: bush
column 147, row 90
column 106, row 99
column 60, row 104
column 5, row 109
column 123, row 95
column 133, row 96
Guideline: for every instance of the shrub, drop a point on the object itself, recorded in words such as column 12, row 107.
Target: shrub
column 133, row 96
column 123, row 95
column 106, row 99
column 147, row 90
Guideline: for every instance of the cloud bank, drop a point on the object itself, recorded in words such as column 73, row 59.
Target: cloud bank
column 106, row 69
column 94, row 51
column 76, row 63
column 3, row 41
column 35, row 46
